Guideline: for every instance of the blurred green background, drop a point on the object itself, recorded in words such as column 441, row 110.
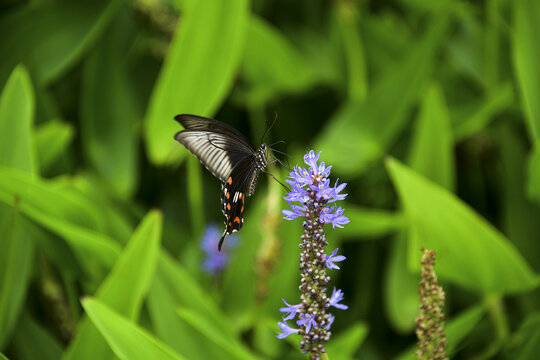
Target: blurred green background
column 429, row 110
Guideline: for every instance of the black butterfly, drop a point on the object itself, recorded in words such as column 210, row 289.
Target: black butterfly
column 230, row 157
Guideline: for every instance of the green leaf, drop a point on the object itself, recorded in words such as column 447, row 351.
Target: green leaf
column 52, row 36
column 16, row 118
column 347, row 19
column 432, row 146
column 126, row 339
column 61, row 213
column 533, row 188
column 51, row 141
column 43, row 344
column 125, row 287
column 3, row 357
column 346, row 343
column 17, row 152
column 401, row 301
column 456, row 330
column 225, row 340
column 526, row 52
column 370, row 223
column 361, row 132
column 108, row 118
column 198, row 71
column 163, row 299
column 16, row 258
column 527, row 346
column 271, row 65
column 470, row 252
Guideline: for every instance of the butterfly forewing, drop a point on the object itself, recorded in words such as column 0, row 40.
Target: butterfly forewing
column 229, row 156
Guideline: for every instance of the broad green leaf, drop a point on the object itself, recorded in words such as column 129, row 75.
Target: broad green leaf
column 16, row 118
column 17, row 152
column 470, row 252
column 225, row 340
column 68, row 216
column 163, row 299
column 401, row 301
column 195, row 194
column 16, row 258
column 456, row 330
column 43, row 344
column 431, row 154
column 186, row 291
column 527, row 346
column 51, row 141
column 3, row 357
column 370, row 223
column 125, row 287
column 108, row 118
column 198, row 71
column 432, row 146
column 51, row 37
column 127, row 340
column 347, row 19
column 271, row 65
column 526, row 52
column 346, row 343
column 361, row 132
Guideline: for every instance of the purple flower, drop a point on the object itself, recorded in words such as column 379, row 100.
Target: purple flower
column 291, row 309
column 331, row 319
column 215, row 261
column 312, row 198
column 330, row 259
column 336, row 297
column 307, row 320
column 286, row 330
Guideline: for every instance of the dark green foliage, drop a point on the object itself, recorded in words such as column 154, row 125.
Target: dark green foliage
column 429, row 110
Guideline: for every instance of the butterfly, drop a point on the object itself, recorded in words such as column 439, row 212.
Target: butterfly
column 230, row 157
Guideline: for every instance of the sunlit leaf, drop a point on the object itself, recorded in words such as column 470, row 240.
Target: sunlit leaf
column 470, row 251
column 198, row 71
column 227, row 342
column 127, row 340
column 125, row 287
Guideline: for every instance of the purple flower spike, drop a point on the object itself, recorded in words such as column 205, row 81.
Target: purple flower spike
column 330, row 259
column 286, row 330
column 312, row 198
column 336, row 297
column 291, row 309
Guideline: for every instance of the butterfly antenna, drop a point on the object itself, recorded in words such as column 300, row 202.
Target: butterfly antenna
column 280, row 183
column 268, row 127
column 277, row 142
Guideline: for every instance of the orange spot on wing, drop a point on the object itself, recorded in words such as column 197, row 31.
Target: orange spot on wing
column 237, row 219
column 240, row 196
column 229, row 180
column 228, row 195
column 242, row 209
column 228, row 206
column 230, row 223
